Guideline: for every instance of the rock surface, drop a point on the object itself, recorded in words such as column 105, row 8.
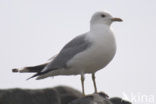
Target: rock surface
column 100, row 98
column 56, row 95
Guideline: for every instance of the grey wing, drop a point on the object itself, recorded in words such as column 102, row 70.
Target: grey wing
column 75, row 46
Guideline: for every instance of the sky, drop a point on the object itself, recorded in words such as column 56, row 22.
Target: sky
column 32, row 31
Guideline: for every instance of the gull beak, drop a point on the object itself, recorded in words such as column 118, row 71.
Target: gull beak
column 116, row 19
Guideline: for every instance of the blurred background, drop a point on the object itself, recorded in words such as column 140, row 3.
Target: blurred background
column 32, row 31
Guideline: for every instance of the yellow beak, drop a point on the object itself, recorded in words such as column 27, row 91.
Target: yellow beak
column 117, row 19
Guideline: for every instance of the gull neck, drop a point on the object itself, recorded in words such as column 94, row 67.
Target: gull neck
column 98, row 27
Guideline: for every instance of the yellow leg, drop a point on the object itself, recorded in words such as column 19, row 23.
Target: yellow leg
column 94, row 82
column 82, row 83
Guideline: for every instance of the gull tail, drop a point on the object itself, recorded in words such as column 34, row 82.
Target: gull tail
column 34, row 69
column 30, row 69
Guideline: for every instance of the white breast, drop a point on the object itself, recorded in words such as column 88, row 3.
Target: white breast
column 99, row 54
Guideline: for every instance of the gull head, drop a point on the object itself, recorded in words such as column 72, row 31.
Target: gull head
column 103, row 18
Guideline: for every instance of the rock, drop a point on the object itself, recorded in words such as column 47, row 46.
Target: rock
column 68, row 94
column 56, row 95
column 99, row 98
column 117, row 100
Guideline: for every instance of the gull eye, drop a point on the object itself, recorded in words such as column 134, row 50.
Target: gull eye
column 102, row 15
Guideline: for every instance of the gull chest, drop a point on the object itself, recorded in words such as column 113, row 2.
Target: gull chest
column 97, row 56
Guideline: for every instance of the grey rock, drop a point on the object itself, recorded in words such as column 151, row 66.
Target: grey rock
column 20, row 96
column 68, row 94
column 117, row 100
column 99, row 98
column 57, row 95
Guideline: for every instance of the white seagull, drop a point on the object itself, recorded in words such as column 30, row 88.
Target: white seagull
column 86, row 53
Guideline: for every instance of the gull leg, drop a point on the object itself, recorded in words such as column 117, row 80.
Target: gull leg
column 82, row 83
column 94, row 82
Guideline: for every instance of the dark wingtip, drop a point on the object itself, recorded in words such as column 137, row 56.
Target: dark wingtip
column 15, row 70
column 33, row 76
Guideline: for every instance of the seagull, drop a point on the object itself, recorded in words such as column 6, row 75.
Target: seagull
column 85, row 54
